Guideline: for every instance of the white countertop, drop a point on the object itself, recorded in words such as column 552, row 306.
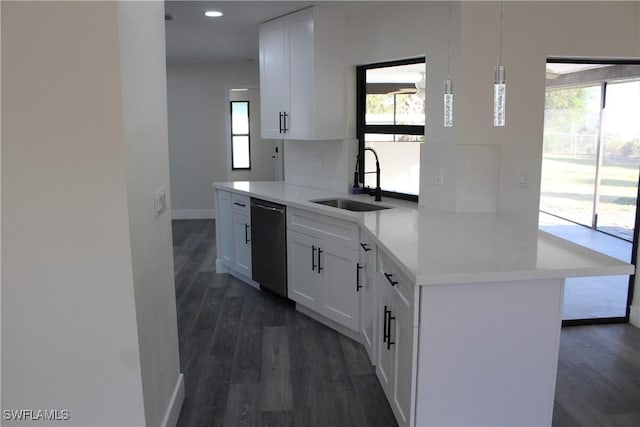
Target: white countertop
column 436, row 247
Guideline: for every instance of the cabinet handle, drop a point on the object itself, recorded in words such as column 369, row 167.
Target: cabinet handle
column 285, row 130
column 389, row 278
column 242, row 205
column 280, row 121
column 319, row 267
column 313, row 258
column 358, row 285
column 365, row 247
column 246, row 235
column 384, row 325
column 389, row 342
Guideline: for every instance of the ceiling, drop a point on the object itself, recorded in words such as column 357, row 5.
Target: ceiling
column 191, row 37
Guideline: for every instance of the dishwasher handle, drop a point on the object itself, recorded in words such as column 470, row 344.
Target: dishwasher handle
column 268, row 208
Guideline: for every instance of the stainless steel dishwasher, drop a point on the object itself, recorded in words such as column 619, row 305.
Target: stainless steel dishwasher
column 269, row 245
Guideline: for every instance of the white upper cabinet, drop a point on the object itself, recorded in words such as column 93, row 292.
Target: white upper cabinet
column 303, row 75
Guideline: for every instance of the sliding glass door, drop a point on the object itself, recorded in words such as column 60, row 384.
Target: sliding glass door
column 618, row 178
column 590, row 168
column 570, row 152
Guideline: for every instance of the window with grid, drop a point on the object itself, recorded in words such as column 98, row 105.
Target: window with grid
column 391, row 118
column 240, row 136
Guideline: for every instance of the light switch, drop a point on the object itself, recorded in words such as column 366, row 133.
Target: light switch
column 160, row 201
column 522, row 179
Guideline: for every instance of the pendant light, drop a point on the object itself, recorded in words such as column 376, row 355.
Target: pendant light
column 448, row 85
column 499, row 83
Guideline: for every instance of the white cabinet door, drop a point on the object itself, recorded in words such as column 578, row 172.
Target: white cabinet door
column 301, row 113
column 386, row 352
column 304, row 281
column 274, row 78
column 403, row 338
column 242, row 244
column 224, row 228
column 338, row 268
column 367, row 301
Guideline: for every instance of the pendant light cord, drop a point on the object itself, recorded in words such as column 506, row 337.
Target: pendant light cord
column 449, row 62
column 501, row 14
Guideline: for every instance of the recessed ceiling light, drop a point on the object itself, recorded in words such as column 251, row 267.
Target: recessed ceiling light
column 213, row 13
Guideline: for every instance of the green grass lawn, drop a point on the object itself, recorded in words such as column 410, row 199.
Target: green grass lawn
column 568, row 187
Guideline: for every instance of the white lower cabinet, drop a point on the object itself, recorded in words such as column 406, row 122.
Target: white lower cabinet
column 322, row 276
column 322, row 266
column 224, row 228
column 242, row 243
column 367, row 268
column 397, row 340
column 233, row 231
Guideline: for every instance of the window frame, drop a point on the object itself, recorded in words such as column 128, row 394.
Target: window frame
column 248, row 135
column 363, row 128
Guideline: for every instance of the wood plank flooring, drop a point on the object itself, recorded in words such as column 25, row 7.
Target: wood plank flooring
column 250, row 359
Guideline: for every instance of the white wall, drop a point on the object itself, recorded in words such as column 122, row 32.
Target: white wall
column 320, row 164
column 144, row 100
column 197, row 131
column 88, row 309
column 69, row 328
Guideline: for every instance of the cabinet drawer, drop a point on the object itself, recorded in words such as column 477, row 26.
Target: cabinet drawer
column 240, row 203
column 405, row 289
column 331, row 229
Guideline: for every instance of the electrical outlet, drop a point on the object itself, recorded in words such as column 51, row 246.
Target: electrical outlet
column 160, row 201
column 439, row 177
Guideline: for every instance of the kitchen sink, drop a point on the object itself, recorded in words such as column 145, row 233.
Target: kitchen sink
column 350, row 205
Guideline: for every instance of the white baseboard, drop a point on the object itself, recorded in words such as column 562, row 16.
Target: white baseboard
column 245, row 279
column 221, row 268
column 193, row 213
column 175, row 404
column 634, row 315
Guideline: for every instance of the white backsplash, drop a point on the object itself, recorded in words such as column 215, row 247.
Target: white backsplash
column 319, row 164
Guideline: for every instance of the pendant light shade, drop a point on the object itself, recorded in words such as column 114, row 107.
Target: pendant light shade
column 448, row 103
column 499, row 83
column 499, row 95
column 448, row 86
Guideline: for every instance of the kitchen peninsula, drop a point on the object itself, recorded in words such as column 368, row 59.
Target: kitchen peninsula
column 460, row 312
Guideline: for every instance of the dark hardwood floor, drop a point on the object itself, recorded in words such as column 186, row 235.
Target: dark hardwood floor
column 250, row 359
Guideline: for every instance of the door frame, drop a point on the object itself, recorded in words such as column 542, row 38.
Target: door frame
column 636, row 234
